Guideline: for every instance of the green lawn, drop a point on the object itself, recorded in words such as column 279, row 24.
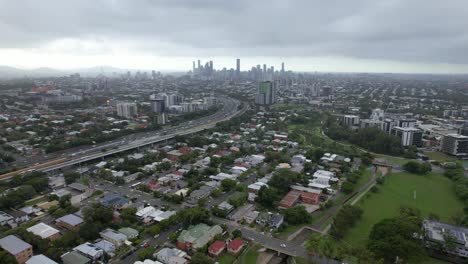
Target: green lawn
column 289, row 230
column 36, row 201
column 392, row 159
column 251, row 255
column 439, row 156
column 226, row 258
column 434, row 194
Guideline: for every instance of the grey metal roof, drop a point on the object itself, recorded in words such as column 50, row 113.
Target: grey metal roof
column 13, row 245
column 71, row 219
column 74, row 257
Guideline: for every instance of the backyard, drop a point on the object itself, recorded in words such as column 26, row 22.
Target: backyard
column 431, row 193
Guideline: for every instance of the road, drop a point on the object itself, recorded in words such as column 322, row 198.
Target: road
column 288, row 248
column 72, row 157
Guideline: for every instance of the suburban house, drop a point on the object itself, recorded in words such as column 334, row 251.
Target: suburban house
column 74, row 257
column 129, row 232
column 70, row 222
column 172, row 256
column 197, row 236
column 90, row 251
column 294, row 196
column 217, row 248
column 115, row 201
column 113, row 236
column 276, row 221
column 40, row 259
column 16, row 247
column 235, row 246
column 435, row 234
column 105, row 245
column 44, row 231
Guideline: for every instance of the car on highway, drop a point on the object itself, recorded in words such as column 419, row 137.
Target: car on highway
column 283, row 245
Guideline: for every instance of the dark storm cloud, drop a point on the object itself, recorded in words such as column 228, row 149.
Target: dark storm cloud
column 401, row 30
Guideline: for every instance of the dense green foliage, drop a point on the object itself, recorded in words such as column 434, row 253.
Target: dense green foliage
column 417, row 168
column 345, row 219
column 297, row 215
column 200, row 258
column 394, row 238
column 372, row 139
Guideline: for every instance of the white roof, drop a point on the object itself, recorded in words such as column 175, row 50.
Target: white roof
column 324, row 173
column 89, row 249
column 40, row 259
column 43, row 230
column 257, row 185
column 145, row 211
column 318, row 185
column 148, row 261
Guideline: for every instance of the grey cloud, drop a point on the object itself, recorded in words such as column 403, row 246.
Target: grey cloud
column 401, row 30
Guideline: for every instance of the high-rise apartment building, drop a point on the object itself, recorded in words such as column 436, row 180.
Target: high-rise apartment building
column 408, row 135
column 127, row 110
column 455, row 144
column 158, row 105
column 266, row 93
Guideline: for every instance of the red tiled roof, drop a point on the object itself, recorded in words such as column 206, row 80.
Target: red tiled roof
column 290, row 199
column 217, row 246
column 236, row 244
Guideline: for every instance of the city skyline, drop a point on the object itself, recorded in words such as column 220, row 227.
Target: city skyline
column 426, row 37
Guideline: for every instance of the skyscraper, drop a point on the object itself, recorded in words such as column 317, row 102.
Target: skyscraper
column 266, row 93
column 282, row 67
column 238, row 67
column 199, row 64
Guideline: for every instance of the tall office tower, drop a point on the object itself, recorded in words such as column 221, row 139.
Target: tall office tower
column 266, row 94
column 211, row 66
column 455, row 144
column 158, row 105
column 238, row 67
column 199, row 64
column 282, row 67
column 193, row 66
column 127, row 110
column 264, row 68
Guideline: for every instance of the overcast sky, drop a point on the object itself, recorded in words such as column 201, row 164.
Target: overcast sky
column 309, row 35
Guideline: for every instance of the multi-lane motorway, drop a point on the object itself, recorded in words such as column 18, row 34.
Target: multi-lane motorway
column 134, row 141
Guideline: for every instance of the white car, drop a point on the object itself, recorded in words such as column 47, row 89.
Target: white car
column 283, row 245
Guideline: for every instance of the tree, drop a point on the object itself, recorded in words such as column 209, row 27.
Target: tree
column 71, row 177
column 267, row 196
column 345, row 219
column 200, row 258
column 6, row 258
column 237, row 233
column 129, row 215
column 282, row 179
column 394, row 237
column 297, row 215
column 146, row 253
column 202, row 202
column 193, row 216
column 97, row 213
column 228, row 184
column 347, row 187
column 417, row 168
